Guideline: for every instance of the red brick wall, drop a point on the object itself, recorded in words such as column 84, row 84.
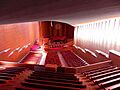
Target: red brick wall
column 17, row 35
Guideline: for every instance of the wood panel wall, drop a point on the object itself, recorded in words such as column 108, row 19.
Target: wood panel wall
column 18, row 38
column 54, row 29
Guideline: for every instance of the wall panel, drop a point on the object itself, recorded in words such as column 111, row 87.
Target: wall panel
column 56, row 29
column 18, row 35
column 101, row 35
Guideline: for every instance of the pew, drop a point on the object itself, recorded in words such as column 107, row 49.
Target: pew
column 80, row 52
column 5, row 78
column 71, row 59
column 98, row 70
column 6, row 74
column 114, row 87
column 55, row 83
column 55, row 76
column 104, row 75
column 104, row 71
column 110, row 83
column 52, row 58
column 47, row 86
column 56, row 80
column 53, row 73
column 107, row 78
column 2, row 81
column 25, row 88
column 91, row 57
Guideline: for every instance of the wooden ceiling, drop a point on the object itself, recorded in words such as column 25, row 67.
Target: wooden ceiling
column 69, row 11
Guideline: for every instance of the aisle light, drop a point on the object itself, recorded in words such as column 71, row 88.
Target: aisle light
column 91, row 52
column 4, row 51
column 42, row 62
column 11, row 54
column 102, row 53
column 17, row 48
column 81, row 49
column 7, row 50
column 115, row 52
column 20, row 49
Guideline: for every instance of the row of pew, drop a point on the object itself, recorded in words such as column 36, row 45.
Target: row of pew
column 36, row 77
column 89, row 56
column 107, row 78
column 7, row 76
column 52, row 58
column 39, row 80
column 71, row 59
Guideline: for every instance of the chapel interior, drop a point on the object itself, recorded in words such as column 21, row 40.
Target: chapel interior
column 59, row 44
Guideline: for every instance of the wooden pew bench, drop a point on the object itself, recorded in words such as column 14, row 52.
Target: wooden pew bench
column 107, row 78
column 110, row 83
column 105, row 74
column 55, row 76
column 47, row 86
column 114, row 87
column 55, row 83
column 98, row 70
column 104, row 71
column 55, row 79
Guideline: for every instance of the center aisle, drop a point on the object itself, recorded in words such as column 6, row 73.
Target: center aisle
column 42, row 62
column 62, row 59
